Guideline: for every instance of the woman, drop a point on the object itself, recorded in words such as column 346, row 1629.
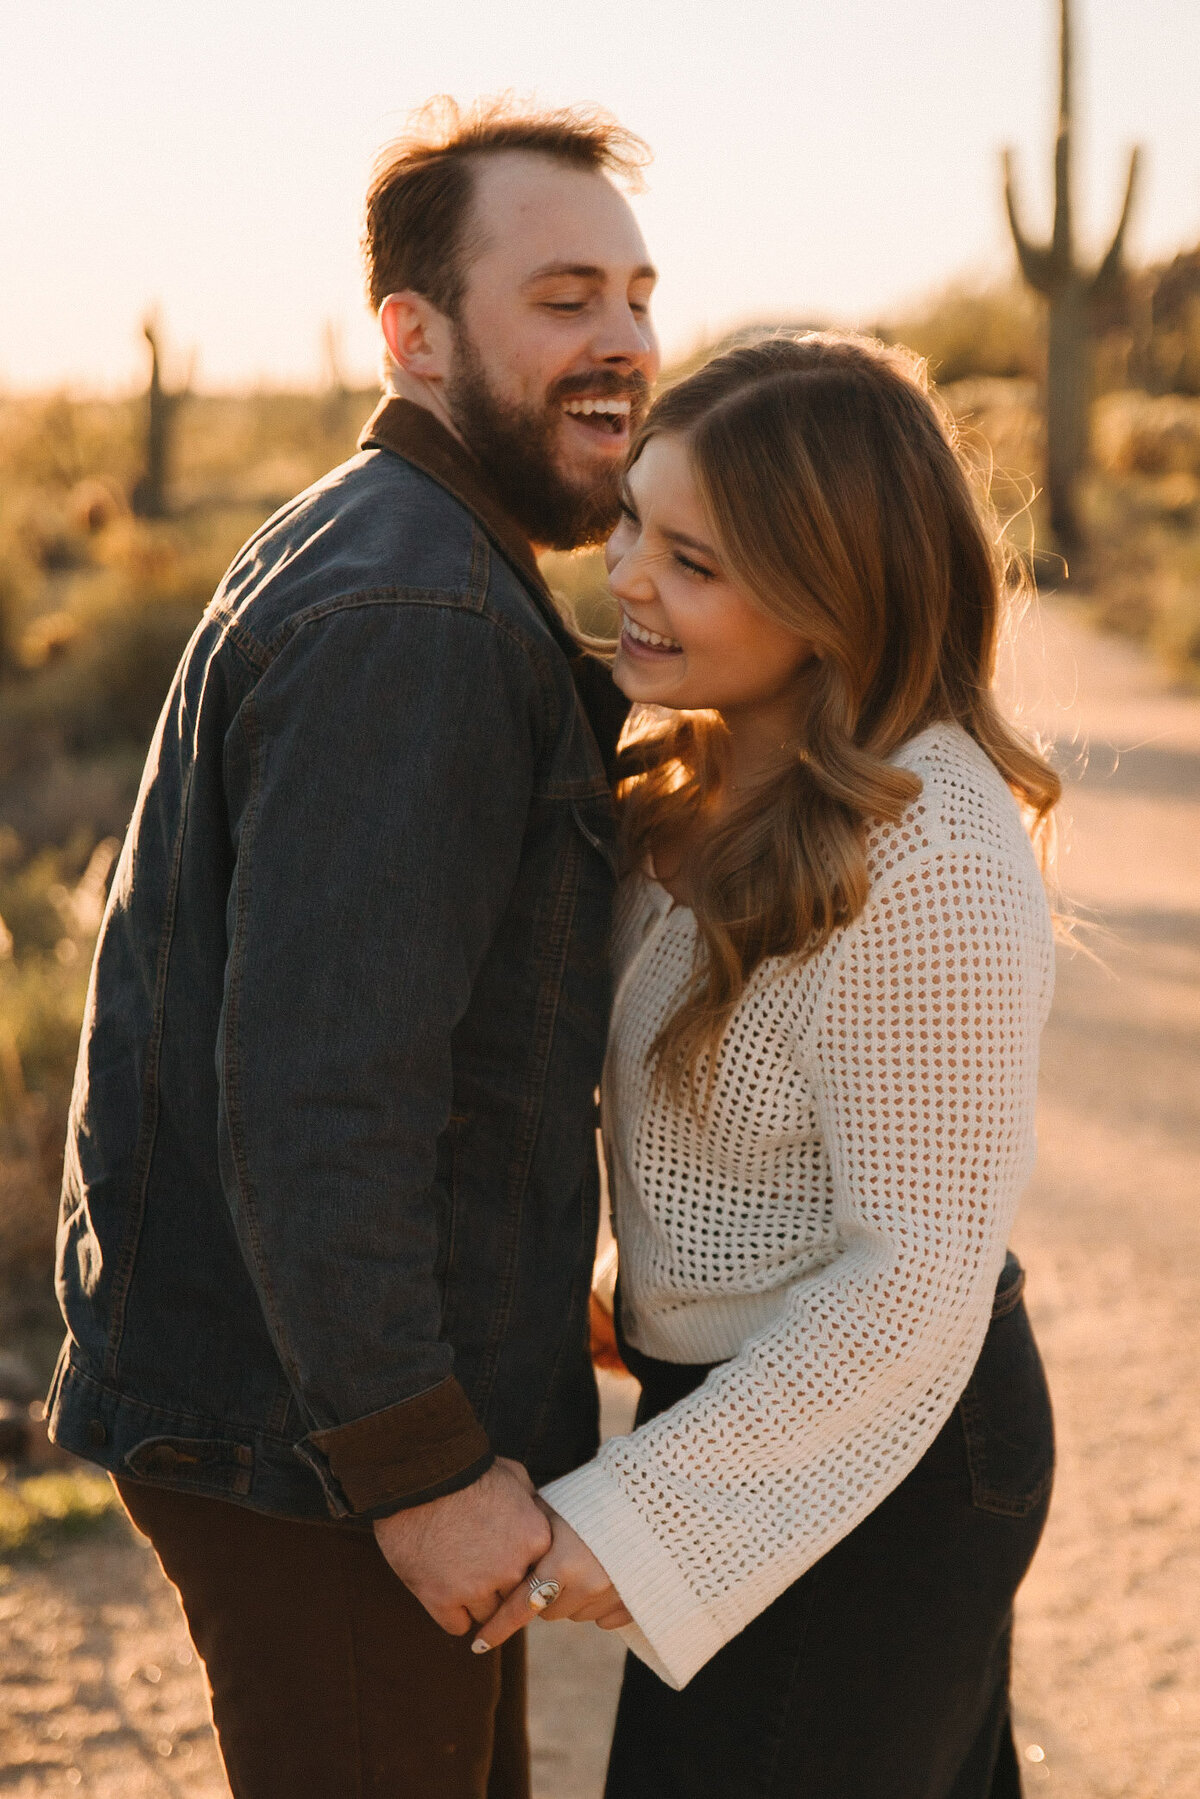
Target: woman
column 834, row 961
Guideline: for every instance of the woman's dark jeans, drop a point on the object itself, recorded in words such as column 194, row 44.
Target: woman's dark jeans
column 883, row 1672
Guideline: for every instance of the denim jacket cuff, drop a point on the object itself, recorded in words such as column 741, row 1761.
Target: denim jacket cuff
column 406, row 1454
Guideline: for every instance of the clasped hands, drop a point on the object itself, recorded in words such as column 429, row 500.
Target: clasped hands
column 468, row 1558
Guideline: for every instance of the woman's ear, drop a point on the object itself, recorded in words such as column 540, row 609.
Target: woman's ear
column 420, row 339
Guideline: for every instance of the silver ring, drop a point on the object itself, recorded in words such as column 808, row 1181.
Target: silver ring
column 542, row 1593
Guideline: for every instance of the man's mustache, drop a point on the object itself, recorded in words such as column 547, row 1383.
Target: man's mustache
column 603, row 384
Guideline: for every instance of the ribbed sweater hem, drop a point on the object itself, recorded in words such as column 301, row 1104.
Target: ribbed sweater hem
column 672, row 1631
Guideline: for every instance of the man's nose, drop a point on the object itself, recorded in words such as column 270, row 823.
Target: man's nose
column 623, row 336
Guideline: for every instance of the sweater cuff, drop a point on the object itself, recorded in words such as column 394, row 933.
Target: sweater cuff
column 404, row 1455
column 672, row 1631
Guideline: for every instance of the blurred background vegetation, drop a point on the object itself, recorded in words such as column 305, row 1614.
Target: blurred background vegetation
column 104, row 574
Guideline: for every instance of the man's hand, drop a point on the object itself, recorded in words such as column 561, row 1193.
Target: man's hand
column 461, row 1554
column 586, row 1593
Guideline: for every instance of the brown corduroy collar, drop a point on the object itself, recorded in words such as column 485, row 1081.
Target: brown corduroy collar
column 414, row 433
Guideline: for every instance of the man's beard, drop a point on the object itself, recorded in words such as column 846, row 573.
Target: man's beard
column 516, row 446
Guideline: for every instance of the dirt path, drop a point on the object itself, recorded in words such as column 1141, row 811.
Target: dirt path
column 98, row 1691
column 1108, row 1664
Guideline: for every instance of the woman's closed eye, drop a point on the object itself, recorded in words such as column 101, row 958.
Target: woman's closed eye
column 695, row 568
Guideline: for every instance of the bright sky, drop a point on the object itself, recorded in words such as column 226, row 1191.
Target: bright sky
column 812, row 159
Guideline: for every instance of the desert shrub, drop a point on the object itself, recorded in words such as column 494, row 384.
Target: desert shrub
column 1147, row 434
column 49, row 444
column 38, row 1512
column 114, row 656
column 1171, row 357
column 51, row 905
column 966, row 331
column 1141, row 574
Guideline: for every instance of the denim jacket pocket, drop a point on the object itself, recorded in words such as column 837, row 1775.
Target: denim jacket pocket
column 1006, row 1417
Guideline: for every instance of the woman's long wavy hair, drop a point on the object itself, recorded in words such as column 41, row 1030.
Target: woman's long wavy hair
column 839, row 500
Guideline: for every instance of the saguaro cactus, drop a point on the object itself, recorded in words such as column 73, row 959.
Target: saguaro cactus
column 150, row 494
column 1074, row 295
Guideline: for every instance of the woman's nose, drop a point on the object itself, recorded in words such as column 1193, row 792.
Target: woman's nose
column 629, row 576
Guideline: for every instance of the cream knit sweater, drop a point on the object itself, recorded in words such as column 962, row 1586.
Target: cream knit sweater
column 833, row 1230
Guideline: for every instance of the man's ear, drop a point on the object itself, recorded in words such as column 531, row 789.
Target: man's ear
column 420, row 339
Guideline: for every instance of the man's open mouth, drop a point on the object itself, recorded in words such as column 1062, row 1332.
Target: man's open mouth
column 609, row 416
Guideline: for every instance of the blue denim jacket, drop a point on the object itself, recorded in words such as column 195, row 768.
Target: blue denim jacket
column 330, row 1196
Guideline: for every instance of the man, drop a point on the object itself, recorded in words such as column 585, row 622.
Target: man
column 330, row 1199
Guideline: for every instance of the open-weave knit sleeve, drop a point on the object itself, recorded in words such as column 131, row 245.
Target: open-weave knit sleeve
column 922, row 1056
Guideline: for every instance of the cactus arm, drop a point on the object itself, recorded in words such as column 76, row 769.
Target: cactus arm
column 1108, row 279
column 150, row 333
column 1037, row 262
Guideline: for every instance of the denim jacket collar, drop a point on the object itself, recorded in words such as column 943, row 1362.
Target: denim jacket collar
column 413, row 432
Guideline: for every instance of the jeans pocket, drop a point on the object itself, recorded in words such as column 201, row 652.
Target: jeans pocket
column 1007, row 1420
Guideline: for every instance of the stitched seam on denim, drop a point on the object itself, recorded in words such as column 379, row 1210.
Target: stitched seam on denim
column 143, row 1154
column 232, row 1063
column 586, row 788
column 988, row 1501
column 582, row 1278
column 455, row 1125
column 983, row 1495
column 438, row 599
column 251, row 650
column 974, row 1431
column 558, row 937
column 435, row 598
column 1010, row 1299
column 481, row 564
column 170, row 1415
column 283, row 1399
column 225, row 1472
column 580, row 1286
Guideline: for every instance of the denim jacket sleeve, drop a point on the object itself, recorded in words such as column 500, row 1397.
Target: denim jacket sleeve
column 379, row 777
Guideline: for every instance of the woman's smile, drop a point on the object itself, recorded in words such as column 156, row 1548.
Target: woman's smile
column 644, row 644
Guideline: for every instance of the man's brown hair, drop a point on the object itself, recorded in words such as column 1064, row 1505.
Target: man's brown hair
column 416, row 232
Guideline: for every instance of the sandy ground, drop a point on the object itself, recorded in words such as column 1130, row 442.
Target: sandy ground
column 100, row 1693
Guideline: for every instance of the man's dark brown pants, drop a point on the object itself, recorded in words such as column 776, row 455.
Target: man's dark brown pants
column 328, row 1680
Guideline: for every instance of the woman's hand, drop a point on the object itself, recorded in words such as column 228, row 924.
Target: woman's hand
column 586, row 1594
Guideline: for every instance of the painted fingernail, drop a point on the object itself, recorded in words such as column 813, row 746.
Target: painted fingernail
column 479, row 1647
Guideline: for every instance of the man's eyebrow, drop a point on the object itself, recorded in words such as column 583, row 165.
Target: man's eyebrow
column 587, row 271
